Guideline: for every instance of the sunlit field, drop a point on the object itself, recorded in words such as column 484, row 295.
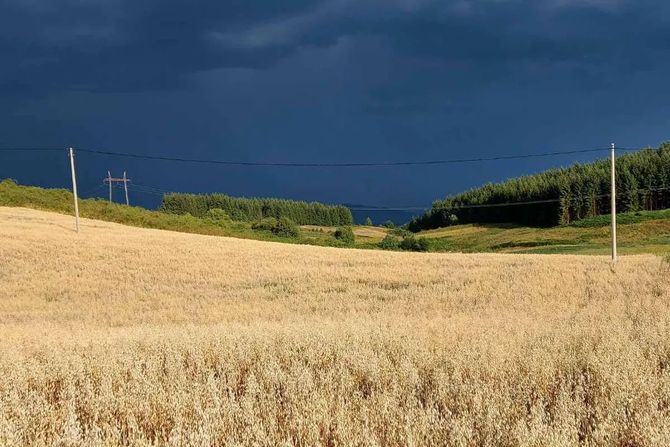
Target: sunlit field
column 130, row 336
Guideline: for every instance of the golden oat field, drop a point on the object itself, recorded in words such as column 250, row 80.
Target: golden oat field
column 129, row 336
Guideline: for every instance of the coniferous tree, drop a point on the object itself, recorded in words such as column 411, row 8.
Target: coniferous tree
column 561, row 196
column 254, row 209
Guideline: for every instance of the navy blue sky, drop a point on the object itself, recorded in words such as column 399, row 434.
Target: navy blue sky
column 327, row 81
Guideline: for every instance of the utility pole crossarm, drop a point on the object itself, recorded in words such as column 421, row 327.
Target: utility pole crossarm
column 111, row 180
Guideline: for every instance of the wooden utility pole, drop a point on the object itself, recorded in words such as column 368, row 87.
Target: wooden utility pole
column 125, row 180
column 74, row 191
column 613, row 194
column 125, row 187
column 109, row 180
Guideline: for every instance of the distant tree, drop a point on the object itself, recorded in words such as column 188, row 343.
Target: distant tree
column 345, row 234
column 285, row 227
column 368, row 222
column 412, row 243
column 218, row 217
column 402, row 232
column 390, row 242
column 388, row 224
column 266, row 224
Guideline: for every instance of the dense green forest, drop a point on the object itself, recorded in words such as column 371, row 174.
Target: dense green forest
column 566, row 194
column 253, row 209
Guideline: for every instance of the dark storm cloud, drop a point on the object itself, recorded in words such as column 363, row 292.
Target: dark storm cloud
column 324, row 81
column 120, row 45
column 130, row 45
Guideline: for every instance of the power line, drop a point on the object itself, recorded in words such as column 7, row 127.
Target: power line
column 319, row 164
column 155, row 188
column 527, row 202
column 91, row 191
column 343, row 165
column 159, row 192
column 143, row 190
column 31, row 149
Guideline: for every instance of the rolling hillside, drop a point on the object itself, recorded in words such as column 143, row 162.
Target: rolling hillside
column 639, row 232
column 560, row 196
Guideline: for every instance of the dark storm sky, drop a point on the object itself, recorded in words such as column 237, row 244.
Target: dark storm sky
column 327, row 81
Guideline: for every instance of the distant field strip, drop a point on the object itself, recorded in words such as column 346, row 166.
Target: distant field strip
column 648, row 234
column 130, row 336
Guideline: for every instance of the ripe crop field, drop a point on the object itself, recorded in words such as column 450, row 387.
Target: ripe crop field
column 131, row 336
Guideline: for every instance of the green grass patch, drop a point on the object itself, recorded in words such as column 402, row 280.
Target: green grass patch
column 632, row 217
column 61, row 201
column 530, row 244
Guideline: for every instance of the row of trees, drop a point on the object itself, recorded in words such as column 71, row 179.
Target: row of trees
column 564, row 195
column 253, row 209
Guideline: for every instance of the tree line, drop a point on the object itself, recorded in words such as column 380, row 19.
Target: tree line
column 569, row 194
column 255, row 209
